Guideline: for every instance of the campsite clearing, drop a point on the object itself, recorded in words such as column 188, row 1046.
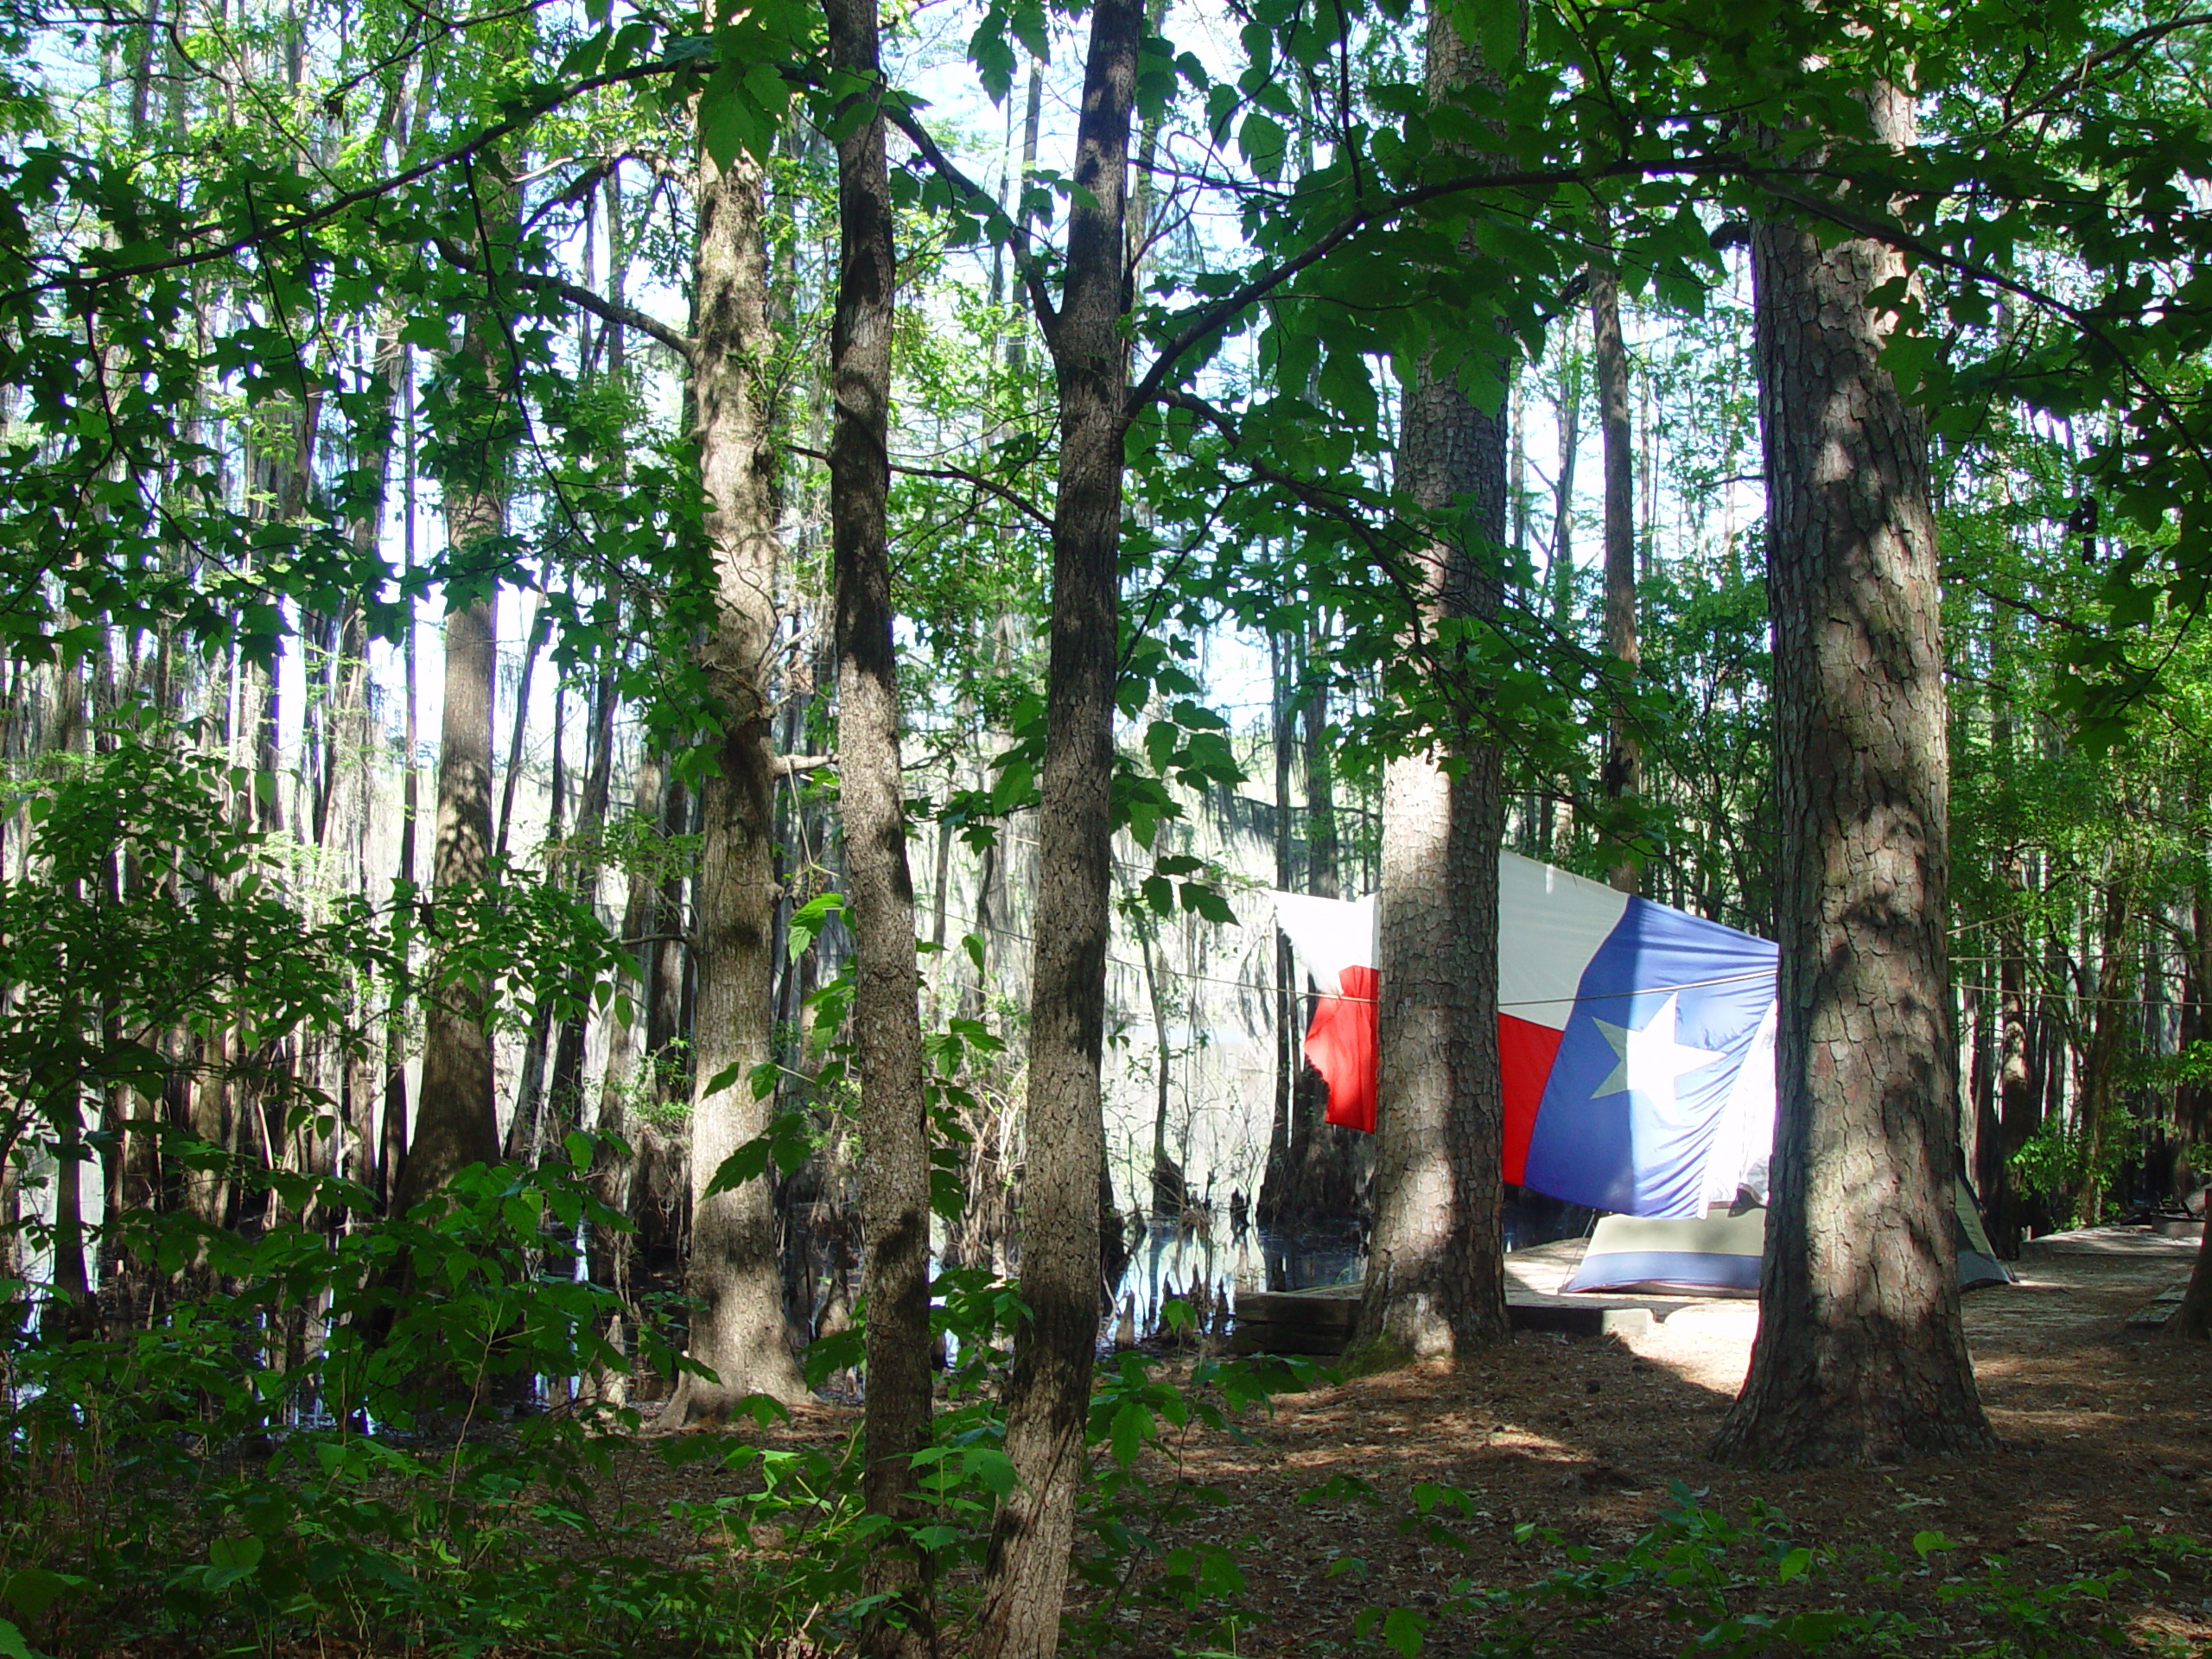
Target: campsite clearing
column 2104, row 1428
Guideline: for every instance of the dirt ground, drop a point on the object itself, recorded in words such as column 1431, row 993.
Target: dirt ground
column 2102, row 1428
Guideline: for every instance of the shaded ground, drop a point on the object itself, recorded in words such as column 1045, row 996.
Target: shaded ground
column 2103, row 1428
column 1566, row 1445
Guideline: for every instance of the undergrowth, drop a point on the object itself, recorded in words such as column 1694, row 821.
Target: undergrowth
column 1754, row 1587
column 400, row 1437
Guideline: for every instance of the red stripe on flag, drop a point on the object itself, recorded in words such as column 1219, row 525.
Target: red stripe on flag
column 1341, row 1045
column 1525, row 1053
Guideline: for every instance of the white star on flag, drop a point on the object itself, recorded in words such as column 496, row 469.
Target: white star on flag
column 1650, row 1060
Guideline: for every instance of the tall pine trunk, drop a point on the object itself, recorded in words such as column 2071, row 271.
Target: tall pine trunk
column 392, row 1153
column 1624, row 771
column 2113, row 1020
column 2193, row 1108
column 455, row 1120
column 880, row 888
column 1862, row 1357
column 739, row 1332
column 1048, row 1395
column 1435, row 1266
column 1275, row 1181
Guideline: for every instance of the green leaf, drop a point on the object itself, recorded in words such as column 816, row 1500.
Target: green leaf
column 12, row 1645
column 731, row 121
column 1264, row 141
column 1207, row 901
column 232, row 1559
column 31, row 1590
column 809, row 919
column 1404, row 1630
column 1793, row 1564
column 1132, row 1426
column 994, row 1468
column 748, row 1163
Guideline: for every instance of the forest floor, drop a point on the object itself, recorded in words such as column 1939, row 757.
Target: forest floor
column 2104, row 1469
column 2101, row 1428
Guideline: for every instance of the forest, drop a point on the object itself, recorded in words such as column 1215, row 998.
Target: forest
column 661, row 674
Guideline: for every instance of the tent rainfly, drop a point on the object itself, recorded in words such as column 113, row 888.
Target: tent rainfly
column 1720, row 1251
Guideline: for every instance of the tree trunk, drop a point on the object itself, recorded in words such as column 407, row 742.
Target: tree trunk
column 2193, row 1101
column 2114, row 1014
column 880, row 888
column 1275, row 1179
column 1862, row 1357
column 392, row 1155
column 614, row 1167
column 535, row 636
column 1623, row 770
column 1048, row 1395
column 739, row 1332
column 565, row 1101
column 1559, row 572
column 2192, row 1109
column 666, row 956
column 456, row 1122
column 1435, row 1265
column 2019, row 1101
column 1169, row 1193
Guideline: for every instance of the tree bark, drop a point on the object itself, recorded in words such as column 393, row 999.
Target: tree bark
column 535, row 636
column 1559, row 571
column 880, row 888
column 2019, row 1101
column 2111, row 1020
column 739, row 1331
column 1275, row 1181
column 1435, row 1266
column 565, row 1101
column 392, row 1154
column 1170, row 1195
column 456, row 1122
column 614, row 1167
column 2193, row 1319
column 1048, row 1394
column 1862, row 1357
column 1623, row 769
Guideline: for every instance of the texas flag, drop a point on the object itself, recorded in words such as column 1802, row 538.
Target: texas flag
column 1636, row 1041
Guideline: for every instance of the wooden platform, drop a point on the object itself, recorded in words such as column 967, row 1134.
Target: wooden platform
column 1320, row 1322
column 2144, row 1243
column 2154, row 1314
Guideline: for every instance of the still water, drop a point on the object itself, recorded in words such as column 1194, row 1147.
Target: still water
column 1206, row 1265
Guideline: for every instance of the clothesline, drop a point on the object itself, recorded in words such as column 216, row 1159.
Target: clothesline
column 1601, row 996
column 1269, row 990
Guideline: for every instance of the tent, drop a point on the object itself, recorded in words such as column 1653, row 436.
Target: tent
column 1637, row 1047
column 1718, row 1252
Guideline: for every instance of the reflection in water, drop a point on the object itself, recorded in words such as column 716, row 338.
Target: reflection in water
column 1172, row 1258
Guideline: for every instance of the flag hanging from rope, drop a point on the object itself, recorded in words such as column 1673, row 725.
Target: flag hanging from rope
column 1635, row 1041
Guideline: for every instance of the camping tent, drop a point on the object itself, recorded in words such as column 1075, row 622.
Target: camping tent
column 1720, row 1250
column 1637, row 1045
